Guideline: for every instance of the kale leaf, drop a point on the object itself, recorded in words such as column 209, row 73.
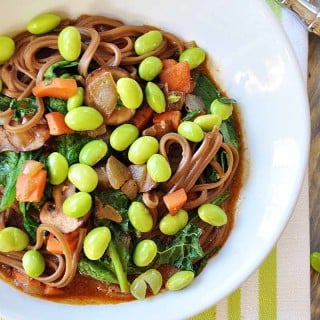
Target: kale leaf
column 4, row 102
column 23, row 107
column 29, row 223
column 229, row 132
column 184, row 249
column 59, row 68
column 55, row 104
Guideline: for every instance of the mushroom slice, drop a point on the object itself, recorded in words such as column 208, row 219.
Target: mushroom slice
column 101, row 91
column 117, row 172
column 159, row 129
column 119, row 116
column 106, row 212
column 51, row 212
column 140, row 175
column 130, row 189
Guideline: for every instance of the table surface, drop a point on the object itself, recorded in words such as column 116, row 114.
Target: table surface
column 314, row 164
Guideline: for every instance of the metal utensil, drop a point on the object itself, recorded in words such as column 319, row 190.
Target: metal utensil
column 307, row 12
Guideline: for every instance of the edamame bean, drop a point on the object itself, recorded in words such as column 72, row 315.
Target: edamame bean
column 191, row 131
column 142, row 149
column 77, row 205
column 152, row 277
column 83, row 177
column 96, row 242
column 171, row 224
column 123, row 136
column 43, row 23
column 158, row 168
column 212, row 214
column 179, row 280
column 194, row 56
column 33, row 263
column 224, row 110
column 148, row 42
column 58, row 167
column 144, row 252
column 83, row 118
column 140, row 217
column 315, row 261
column 92, row 152
column 208, row 121
column 130, row 92
column 76, row 100
column 149, row 68
column 69, row 43
column 13, row 239
column 155, row 97
column 7, row 47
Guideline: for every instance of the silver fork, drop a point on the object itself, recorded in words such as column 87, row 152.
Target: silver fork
column 307, row 12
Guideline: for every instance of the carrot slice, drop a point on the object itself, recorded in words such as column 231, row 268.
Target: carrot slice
column 168, row 63
column 54, row 246
column 31, row 182
column 173, row 115
column 56, row 87
column 56, row 124
column 174, row 201
column 177, row 76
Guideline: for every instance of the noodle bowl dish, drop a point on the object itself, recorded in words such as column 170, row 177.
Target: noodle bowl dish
column 145, row 159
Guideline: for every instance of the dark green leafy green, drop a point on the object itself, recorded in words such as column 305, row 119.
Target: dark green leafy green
column 184, row 249
column 101, row 270
column 226, row 100
column 70, row 145
column 59, row 68
column 10, row 166
column 229, row 132
column 191, row 115
column 199, row 265
column 55, row 104
column 29, row 223
column 4, row 102
column 23, row 107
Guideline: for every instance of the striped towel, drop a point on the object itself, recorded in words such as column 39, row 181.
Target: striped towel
column 280, row 288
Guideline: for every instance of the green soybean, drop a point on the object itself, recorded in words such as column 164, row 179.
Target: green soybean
column 223, row 110
column 194, row 56
column 7, row 48
column 212, row 214
column 140, row 217
column 179, row 280
column 149, row 68
column 142, row 149
column 77, row 205
column 57, row 166
column 148, row 42
column 92, row 152
column 83, row 177
column 43, row 23
column 208, row 121
column 123, row 136
column 315, row 261
column 145, row 252
column 191, row 131
column 69, row 43
column 158, row 168
column 155, row 97
column 83, row 118
column 130, row 92
column 152, row 277
column 33, row 263
column 171, row 224
column 13, row 239
column 96, row 242
column 76, row 100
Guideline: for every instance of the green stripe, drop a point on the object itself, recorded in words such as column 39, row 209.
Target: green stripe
column 268, row 287
column 234, row 305
column 275, row 7
column 209, row 314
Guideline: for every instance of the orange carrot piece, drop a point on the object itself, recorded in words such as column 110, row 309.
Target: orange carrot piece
column 56, row 124
column 168, row 63
column 177, row 76
column 142, row 117
column 31, row 182
column 174, row 201
column 54, row 246
column 173, row 115
column 56, row 87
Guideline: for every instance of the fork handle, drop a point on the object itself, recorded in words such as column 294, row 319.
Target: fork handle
column 309, row 14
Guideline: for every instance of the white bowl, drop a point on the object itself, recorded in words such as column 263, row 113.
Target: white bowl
column 255, row 65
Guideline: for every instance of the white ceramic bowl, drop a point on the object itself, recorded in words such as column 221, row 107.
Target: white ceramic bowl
column 255, row 65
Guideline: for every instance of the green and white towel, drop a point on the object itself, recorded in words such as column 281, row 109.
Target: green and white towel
column 280, row 288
